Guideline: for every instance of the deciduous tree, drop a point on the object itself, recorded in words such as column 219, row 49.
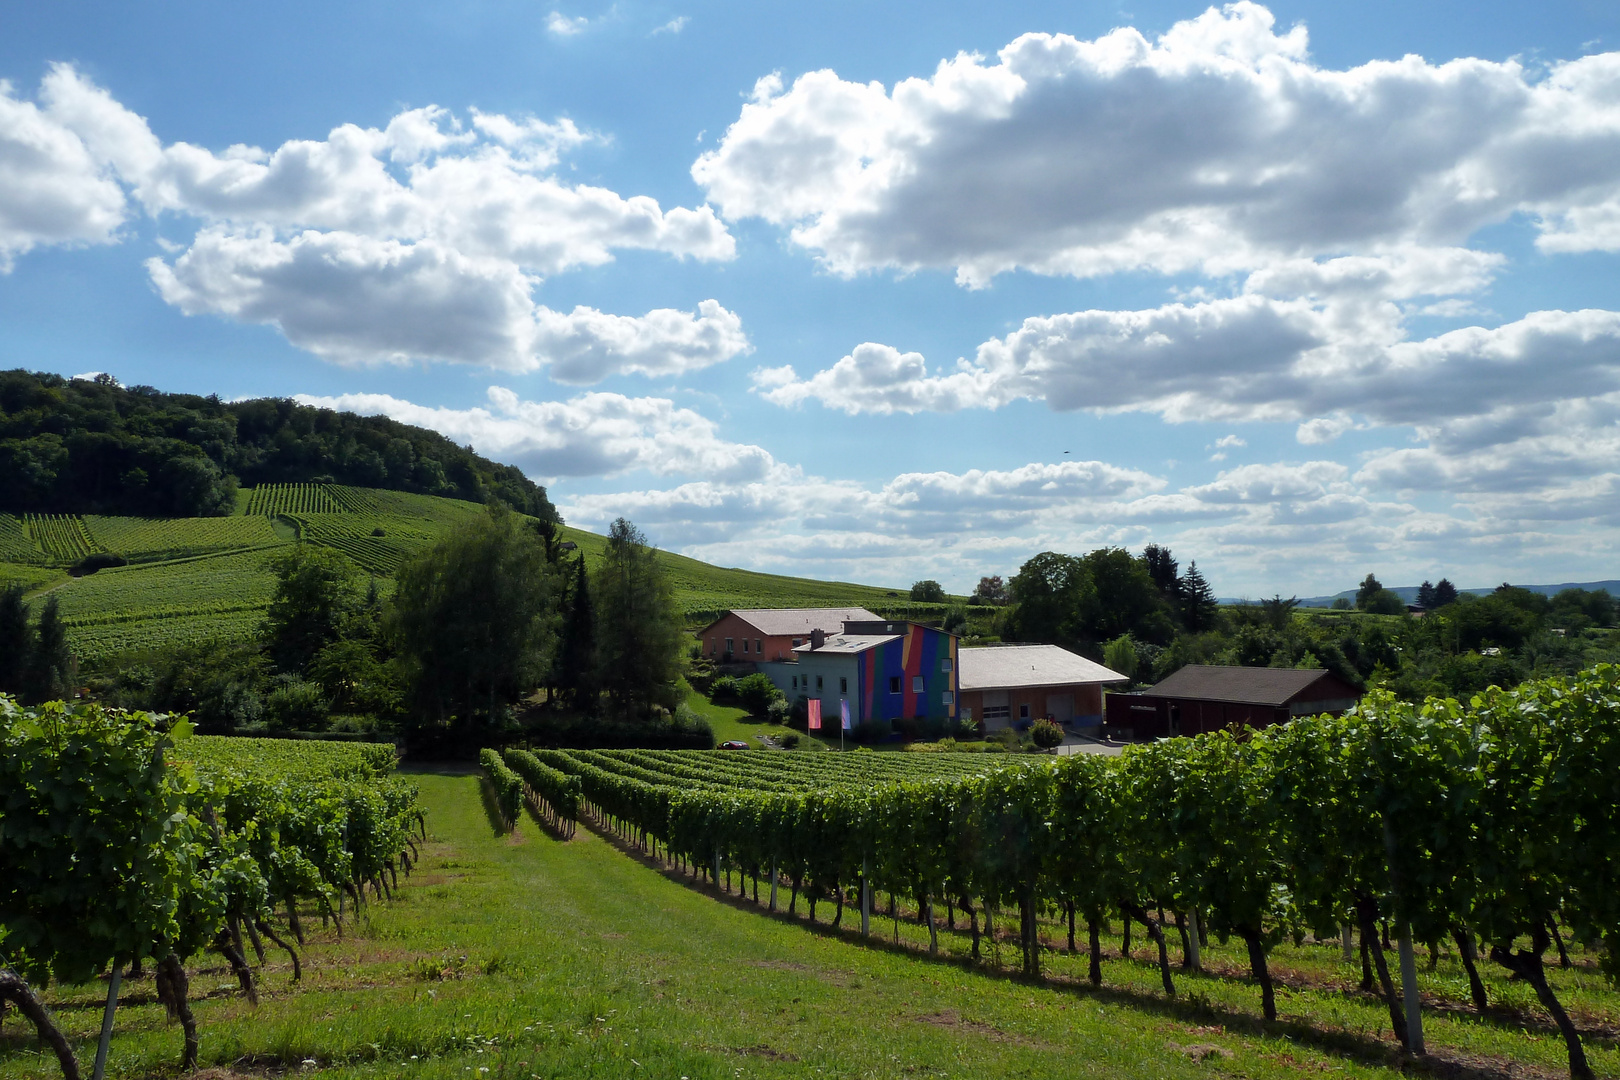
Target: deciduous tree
column 473, row 619
column 638, row 631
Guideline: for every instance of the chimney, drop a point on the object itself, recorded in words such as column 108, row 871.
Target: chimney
column 818, row 638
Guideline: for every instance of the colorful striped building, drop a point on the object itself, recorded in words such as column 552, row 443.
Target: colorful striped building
column 883, row 669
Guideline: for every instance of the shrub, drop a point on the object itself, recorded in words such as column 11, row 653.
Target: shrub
column 967, row 729
column 909, row 727
column 756, row 693
column 296, row 705
column 99, row 560
column 791, row 740
column 1046, row 734
column 724, row 689
column 779, row 711
column 871, row 731
column 700, row 676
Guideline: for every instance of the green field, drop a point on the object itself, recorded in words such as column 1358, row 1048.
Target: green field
column 196, row 579
column 529, row 957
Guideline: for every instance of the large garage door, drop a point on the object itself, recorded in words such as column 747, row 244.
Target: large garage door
column 1060, row 707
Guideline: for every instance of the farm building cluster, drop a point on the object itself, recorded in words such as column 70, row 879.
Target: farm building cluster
column 879, row 670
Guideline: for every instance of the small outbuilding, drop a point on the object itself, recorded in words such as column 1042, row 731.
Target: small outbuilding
column 1201, row 698
column 1015, row 685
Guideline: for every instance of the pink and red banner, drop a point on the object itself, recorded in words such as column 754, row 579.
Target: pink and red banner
column 815, row 714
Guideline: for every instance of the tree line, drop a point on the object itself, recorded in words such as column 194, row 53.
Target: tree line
column 1145, row 617
column 447, row 658
column 91, row 446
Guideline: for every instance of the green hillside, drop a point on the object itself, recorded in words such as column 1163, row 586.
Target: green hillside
column 190, row 580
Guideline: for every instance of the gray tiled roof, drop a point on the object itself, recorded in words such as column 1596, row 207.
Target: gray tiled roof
column 798, row 622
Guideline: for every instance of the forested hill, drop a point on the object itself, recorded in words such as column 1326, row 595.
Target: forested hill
column 81, row 446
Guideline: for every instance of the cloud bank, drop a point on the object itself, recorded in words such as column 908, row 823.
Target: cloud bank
column 1201, row 150
column 422, row 240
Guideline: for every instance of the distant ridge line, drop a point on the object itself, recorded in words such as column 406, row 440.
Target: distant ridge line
column 1409, row 593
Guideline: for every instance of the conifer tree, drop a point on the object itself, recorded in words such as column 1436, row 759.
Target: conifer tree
column 1425, row 596
column 16, row 640
column 53, row 672
column 1198, row 607
column 575, row 673
column 1444, row 593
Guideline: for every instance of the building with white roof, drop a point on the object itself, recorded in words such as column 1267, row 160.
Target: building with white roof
column 1015, row 685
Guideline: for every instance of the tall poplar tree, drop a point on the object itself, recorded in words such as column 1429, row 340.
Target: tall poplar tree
column 574, row 674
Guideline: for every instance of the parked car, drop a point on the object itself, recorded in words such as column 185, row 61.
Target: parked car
column 733, row 744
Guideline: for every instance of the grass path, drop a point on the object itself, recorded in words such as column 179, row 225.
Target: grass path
column 528, row 957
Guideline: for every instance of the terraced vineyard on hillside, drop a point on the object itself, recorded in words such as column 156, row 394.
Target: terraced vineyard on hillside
column 161, row 539
column 62, row 537
column 191, row 580
column 152, row 605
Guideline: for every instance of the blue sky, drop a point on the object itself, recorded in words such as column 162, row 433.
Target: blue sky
column 876, row 292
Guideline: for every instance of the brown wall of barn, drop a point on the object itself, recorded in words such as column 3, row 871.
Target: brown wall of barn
column 1139, row 716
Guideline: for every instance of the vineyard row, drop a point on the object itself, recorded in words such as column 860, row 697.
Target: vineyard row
column 1496, row 821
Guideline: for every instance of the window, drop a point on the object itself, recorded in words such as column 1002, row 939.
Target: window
column 795, row 682
column 967, row 714
column 916, row 684
column 759, row 646
column 894, row 684
column 818, row 683
column 945, row 664
column 995, row 712
column 728, row 645
column 713, row 642
column 797, row 642
column 745, row 646
column 947, row 697
column 1023, row 712
column 843, row 684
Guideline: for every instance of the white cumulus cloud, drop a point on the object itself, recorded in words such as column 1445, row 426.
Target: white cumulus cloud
column 52, row 188
column 1218, row 146
column 358, row 300
column 425, row 239
column 595, row 434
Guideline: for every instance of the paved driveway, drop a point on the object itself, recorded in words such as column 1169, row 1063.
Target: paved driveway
column 1079, row 744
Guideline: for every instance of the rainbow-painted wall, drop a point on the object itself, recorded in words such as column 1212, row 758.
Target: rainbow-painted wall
column 918, row 652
